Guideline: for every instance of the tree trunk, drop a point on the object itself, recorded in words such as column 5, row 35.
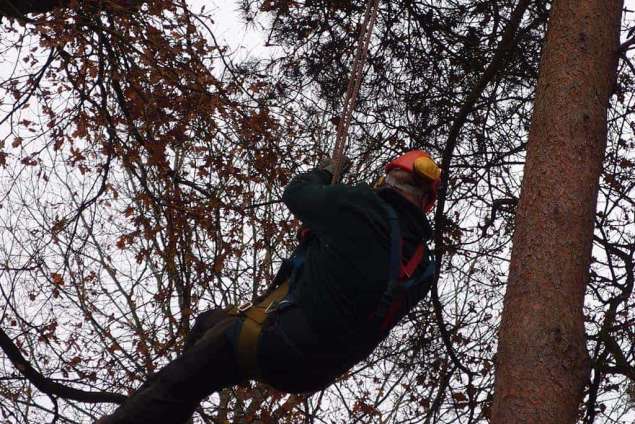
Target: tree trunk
column 19, row 8
column 542, row 362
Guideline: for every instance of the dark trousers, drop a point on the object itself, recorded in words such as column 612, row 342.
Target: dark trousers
column 291, row 359
column 207, row 365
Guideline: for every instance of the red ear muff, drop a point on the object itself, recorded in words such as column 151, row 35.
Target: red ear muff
column 432, row 197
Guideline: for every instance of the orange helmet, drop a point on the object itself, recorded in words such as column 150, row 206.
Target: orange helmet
column 419, row 163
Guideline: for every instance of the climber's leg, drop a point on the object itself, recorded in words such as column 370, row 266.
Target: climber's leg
column 173, row 394
column 204, row 322
column 292, row 357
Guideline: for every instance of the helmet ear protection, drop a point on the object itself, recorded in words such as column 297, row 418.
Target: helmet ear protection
column 425, row 167
column 420, row 164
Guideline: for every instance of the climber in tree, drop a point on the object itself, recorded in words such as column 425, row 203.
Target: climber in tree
column 361, row 265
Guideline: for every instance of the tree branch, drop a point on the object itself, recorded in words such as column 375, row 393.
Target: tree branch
column 622, row 365
column 47, row 385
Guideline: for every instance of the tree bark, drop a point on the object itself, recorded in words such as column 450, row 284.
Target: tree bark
column 20, row 8
column 17, row 8
column 542, row 362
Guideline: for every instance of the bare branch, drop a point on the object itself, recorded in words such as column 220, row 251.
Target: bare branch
column 47, row 385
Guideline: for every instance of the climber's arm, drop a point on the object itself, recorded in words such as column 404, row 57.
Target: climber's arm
column 311, row 198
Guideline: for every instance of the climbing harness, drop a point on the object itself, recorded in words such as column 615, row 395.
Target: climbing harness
column 255, row 315
column 352, row 90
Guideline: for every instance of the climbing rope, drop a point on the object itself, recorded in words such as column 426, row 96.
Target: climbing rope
column 352, row 90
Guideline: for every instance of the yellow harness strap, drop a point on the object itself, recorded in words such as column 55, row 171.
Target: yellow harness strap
column 254, row 317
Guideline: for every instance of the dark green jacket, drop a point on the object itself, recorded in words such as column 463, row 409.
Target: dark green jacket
column 346, row 267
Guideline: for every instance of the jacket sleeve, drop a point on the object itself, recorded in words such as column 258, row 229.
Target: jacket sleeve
column 311, row 199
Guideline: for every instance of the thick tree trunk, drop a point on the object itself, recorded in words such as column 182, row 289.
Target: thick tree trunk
column 22, row 7
column 542, row 364
column 19, row 8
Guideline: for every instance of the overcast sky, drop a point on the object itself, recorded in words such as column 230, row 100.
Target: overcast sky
column 230, row 29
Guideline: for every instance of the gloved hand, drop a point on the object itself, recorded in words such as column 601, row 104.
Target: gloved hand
column 329, row 165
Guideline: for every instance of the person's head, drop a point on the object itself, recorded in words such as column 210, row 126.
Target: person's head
column 415, row 176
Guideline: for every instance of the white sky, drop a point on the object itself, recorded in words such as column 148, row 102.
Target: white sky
column 230, row 29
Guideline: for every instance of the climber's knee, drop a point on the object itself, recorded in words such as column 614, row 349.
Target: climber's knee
column 202, row 324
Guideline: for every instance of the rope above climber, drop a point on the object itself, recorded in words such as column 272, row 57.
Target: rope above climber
column 361, row 265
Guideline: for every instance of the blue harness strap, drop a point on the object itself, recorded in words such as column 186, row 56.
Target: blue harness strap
column 399, row 290
column 394, row 265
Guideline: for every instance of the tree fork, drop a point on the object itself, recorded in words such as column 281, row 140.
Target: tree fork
column 542, row 362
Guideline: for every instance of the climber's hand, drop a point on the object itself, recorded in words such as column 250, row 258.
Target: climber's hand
column 329, row 165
